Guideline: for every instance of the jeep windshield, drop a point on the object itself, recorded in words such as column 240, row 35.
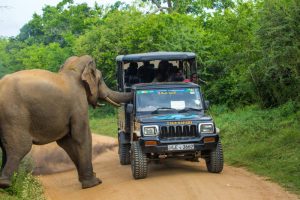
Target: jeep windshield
column 168, row 100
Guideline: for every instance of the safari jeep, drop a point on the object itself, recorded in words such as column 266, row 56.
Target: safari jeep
column 164, row 119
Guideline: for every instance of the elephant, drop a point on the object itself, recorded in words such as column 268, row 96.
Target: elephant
column 39, row 107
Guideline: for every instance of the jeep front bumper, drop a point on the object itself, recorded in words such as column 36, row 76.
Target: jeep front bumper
column 205, row 142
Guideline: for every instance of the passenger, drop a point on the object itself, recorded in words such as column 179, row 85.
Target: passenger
column 162, row 72
column 141, row 70
column 180, row 75
column 171, row 69
column 146, row 72
column 132, row 69
column 176, row 75
column 131, row 73
column 192, row 79
column 172, row 72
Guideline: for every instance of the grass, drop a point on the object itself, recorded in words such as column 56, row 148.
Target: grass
column 24, row 185
column 105, row 126
column 104, row 121
column 266, row 142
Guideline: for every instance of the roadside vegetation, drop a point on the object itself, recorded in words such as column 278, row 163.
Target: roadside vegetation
column 24, row 185
column 264, row 141
column 248, row 54
column 103, row 121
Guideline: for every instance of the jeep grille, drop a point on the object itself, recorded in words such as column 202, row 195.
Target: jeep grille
column 174, row 132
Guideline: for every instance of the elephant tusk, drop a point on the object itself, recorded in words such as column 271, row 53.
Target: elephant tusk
column 100, row 104
column 112, row 102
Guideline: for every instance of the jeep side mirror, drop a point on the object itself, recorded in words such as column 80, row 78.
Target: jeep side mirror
column 206, row 102
column 129, row 108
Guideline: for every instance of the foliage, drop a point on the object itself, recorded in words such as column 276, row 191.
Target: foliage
column 24, row 185
column 104, row 121
column 230, row 49
column 264, row 141
column 40, row 56
column 60, row 24
column 189, row 6
column 278, row 71
column 248, row 51
column 3, row 57
column 124, row 32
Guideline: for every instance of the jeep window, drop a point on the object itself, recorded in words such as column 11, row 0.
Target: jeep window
column 179, row 99
column 157, row 71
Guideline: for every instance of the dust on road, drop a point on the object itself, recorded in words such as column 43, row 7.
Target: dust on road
column 172, row 179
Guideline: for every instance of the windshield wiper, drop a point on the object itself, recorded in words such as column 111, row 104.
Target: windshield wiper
column 162, row 108
column 188, row 109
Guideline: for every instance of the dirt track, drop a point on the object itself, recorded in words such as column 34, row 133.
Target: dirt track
column 173, row 179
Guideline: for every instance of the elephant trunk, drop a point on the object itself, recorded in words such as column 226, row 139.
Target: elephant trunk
column 113, row 97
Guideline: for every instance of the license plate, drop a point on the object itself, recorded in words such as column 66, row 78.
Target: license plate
column 180, row 147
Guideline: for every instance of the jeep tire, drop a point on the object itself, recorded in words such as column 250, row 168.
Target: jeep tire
column 139, row 165
column 124, row 153
column 214, row 159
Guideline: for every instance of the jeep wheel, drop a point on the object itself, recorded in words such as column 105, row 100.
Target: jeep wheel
column 139, row 165
column 124, row 154
column 214, row 159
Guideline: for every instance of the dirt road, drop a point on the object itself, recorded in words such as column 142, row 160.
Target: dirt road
column 172, row 179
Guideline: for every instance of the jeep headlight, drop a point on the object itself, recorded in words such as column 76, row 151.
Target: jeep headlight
column 150, row 130
column 206, row 128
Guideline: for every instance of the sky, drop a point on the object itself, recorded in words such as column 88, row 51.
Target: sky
column 16, row 13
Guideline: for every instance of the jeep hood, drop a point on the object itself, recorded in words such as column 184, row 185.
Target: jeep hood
column 173, row 117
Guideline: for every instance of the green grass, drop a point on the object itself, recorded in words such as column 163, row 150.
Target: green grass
column 24, row 185
column 266, row 142
column 104, row 121
column 105, row 126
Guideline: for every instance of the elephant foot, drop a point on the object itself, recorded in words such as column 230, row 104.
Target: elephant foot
column 90, row 183
column 5, row 182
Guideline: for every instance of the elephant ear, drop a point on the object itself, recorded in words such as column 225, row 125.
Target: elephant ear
column 89, row 77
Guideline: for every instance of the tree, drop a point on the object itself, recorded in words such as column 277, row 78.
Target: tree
column 39, row 56
column 277, row 72
column 4, row 57
column 248, row 51
column 231, row 48
column 189, row 6
column 60, row 24
column 125, row 32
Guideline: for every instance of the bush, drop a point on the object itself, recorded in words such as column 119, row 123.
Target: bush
column 264, row 141
column 24, row 185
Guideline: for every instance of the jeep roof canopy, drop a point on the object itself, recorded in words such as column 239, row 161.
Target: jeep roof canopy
column 145, row 67
column 160, row 55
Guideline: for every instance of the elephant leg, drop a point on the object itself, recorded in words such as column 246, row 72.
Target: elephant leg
column 81, row 135
column 15, row 149
column 85, row 169
column 69, row 145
